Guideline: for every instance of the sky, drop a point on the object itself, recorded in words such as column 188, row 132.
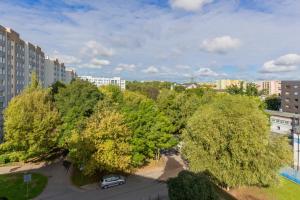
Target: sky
column 173, row 40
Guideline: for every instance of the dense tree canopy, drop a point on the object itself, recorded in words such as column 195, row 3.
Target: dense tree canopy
column 151, row 128
column 178, row 107
column 273, row 102
column 76, row 102
column 104, row 144
column 230, row 137
column 190, row 186
column 30, row 123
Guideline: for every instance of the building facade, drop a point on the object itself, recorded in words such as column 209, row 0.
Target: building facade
column 12, row 67
column 34, row 63
column 70, row 75
column 224, row 84
column 101, row 81
column 290, row 96
column 288, row 124
column 55, row 71
column 272, row 87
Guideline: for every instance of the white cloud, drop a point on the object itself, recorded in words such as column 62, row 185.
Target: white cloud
column 207, row 72
column 189, row 5
column 125, row 67
column 67, row 59
column 93, row 48
column 220, row 44
column 151, row 70
column 286, row 63
column 95, row 63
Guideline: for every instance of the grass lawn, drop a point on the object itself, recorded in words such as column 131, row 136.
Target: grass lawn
column 286, row 190
column 13, row 187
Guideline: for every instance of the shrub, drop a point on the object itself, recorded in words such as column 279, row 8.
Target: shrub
column 191, row 186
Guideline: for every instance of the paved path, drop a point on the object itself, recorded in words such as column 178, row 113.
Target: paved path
column 143, row 186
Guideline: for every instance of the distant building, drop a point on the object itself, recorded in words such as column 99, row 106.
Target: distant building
column 100, row 81
column 55, row 71
column 224, row 84
column 34, row 63
column 189, row 85
column 272, row 87
column 70, row 75
column 290, row 96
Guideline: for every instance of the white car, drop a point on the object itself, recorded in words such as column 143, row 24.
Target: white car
column 112, row 180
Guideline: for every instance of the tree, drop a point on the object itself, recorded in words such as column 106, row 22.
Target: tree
column 230, row 137
column 190, row 186
column 103, row 144
column 151, row 128
column 30, row 123
column 56, row 86
column 178, row 107
column 273, row 102
column 249, row 90
column 76, row 102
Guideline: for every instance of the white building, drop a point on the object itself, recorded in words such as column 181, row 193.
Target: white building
column 100, row 81
column 288, row 124
column 54, row 71
column 70, row 75
column 283, row 122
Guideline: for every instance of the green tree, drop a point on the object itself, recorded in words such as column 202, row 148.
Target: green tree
column 249, row 89
column 104, row 144
column 30, row 123
column 230, row 137
column 151, row 128
column 178, row 107
column 273, row 102
column 190, row 186
column 76, row 102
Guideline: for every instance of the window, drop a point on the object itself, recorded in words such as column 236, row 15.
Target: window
column 288, row 87
column 297, row 107
column 296, row 100
column 296, row 93
column 287, row 93
column 295, row 86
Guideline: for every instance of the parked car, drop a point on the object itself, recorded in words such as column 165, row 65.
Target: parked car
column 112, row 180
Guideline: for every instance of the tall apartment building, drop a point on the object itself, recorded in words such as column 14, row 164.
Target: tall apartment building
column 272, row 87
column 34, row 62
column 290, row 96
column 55, row 71
column 70, row 75
column 100, row 81
column 12, row 66
column 224, row 84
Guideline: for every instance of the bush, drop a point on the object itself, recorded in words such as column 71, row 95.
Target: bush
column 191, row 186
column 4, row 159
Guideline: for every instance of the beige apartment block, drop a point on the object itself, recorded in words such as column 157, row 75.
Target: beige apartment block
column 272, row 87
column 225, row 83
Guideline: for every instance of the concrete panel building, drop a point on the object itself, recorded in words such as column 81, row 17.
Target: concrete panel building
column 70, row 75
column 224, row 84
column 100, row 81
column 34, row 63
column 272, row 87
column 290, row 96
column 54, row 71
column 12, row 67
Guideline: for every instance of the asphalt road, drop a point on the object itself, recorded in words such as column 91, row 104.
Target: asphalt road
column 136, row 188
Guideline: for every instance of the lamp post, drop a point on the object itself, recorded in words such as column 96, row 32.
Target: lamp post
column 296, row 131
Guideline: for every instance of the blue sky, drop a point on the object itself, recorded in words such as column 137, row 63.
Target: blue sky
column 164, row 39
